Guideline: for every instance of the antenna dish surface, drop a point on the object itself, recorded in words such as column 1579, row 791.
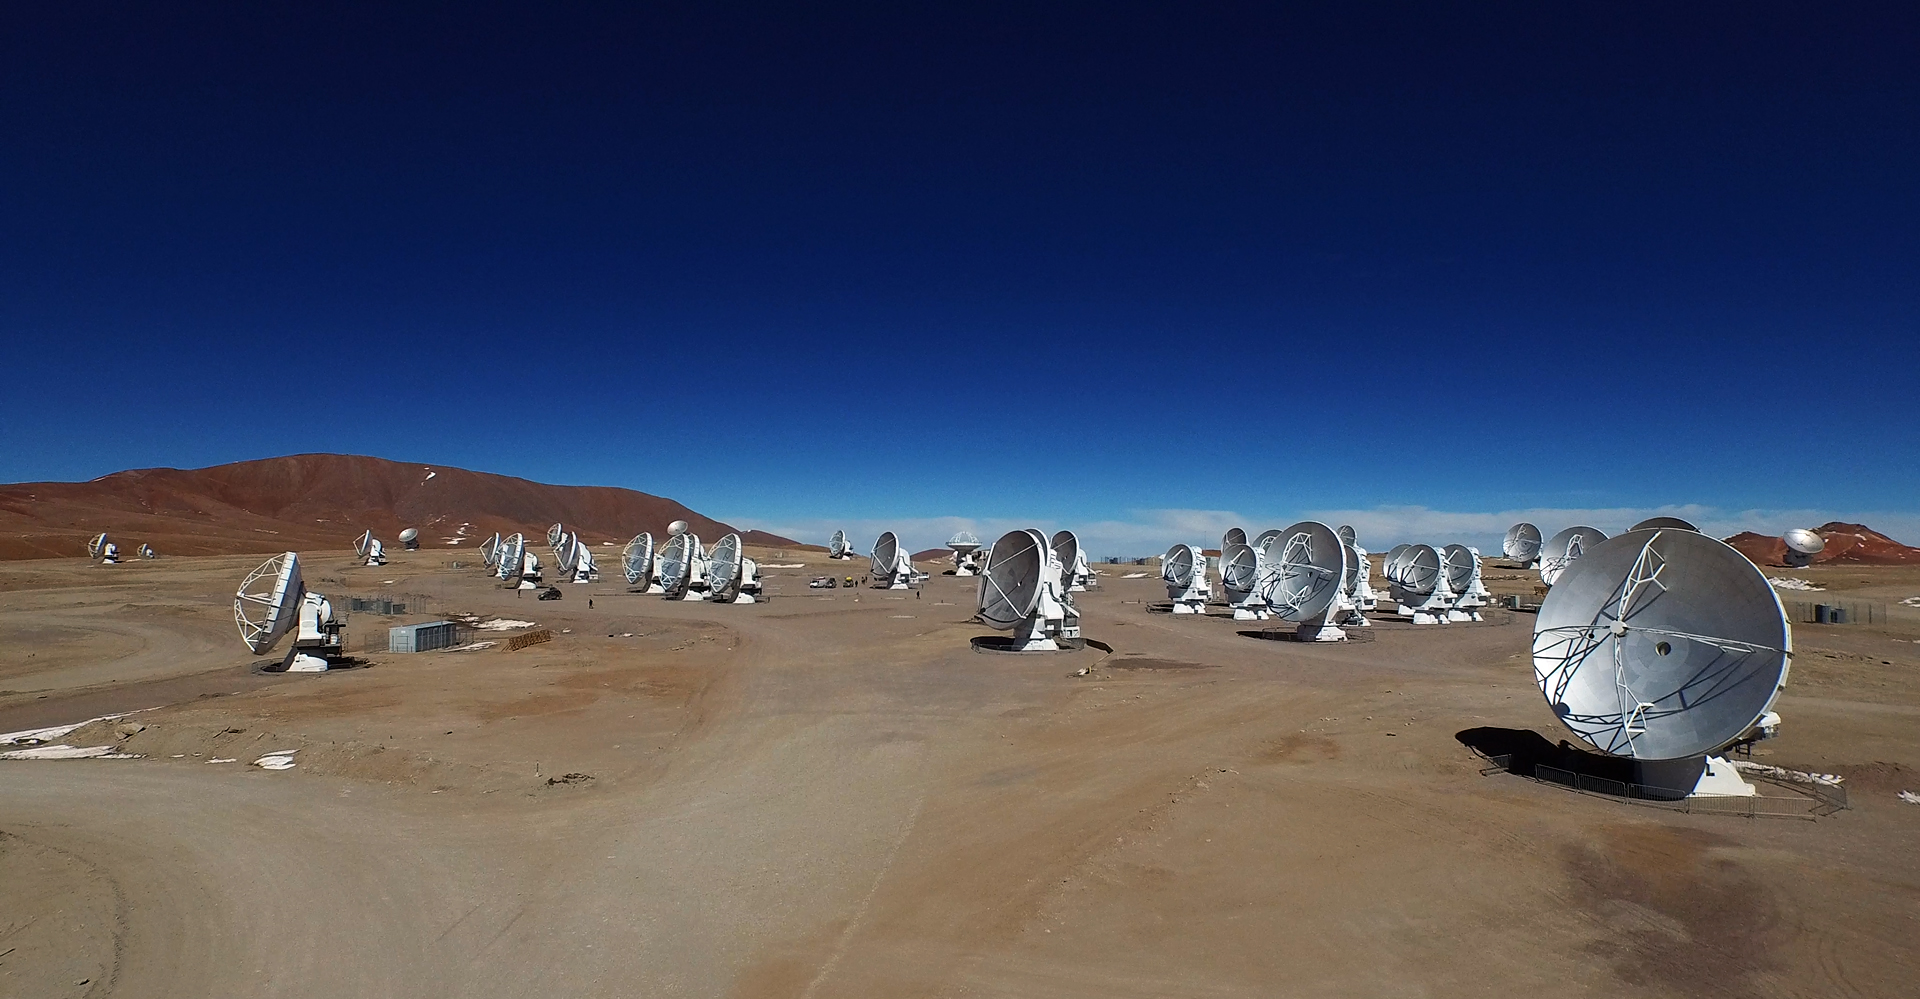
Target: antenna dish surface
column 1459, row 565
column 1234, row 536
column 1010, row 588
column 1804, row 541
column 1066, row 548
column 1663, row 523
column 677, row 528
column 1522, row 543
column 1176, row 566
column 1417, row 569
column 1239, row 567
column 1310, row 563
column 884, row 552
column 1347, row 537
column 1666, row 644
column 410, row 534
column 964, row 542
column 1564, row 549
column 636, row 559
column 723, row 568
column 267, row 603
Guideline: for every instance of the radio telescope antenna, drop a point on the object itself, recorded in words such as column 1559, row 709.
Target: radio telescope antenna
column 723, row 570
column 892, row 567
column 636, row 559
column 1346, row 533
column 1665, row 645
column 677, row 527
column 370, row 550
column 1234, row 536
column 273, row 601
column 146, row 551
column 576, row 558
column 1303, row 583
column 1663, row 523
column 490, row 551
column 514, row 559
column 1564, row 548
column 1802, row 546
column 1355, row 570
column 1418, row 585
column 1462, row 565
column 1240, row 581
column 1184, row 570
column 838, row 546
column 1522, row 545
column 676, row 568
column 1073, row 562
column 1020, row 592
column 966, row 548
column 96, row 547
column 555, row 535
column 363, row 544
column 410, row 539
column 1365, row 600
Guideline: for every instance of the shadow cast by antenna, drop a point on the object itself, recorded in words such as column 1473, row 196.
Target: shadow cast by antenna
column 1523, row 751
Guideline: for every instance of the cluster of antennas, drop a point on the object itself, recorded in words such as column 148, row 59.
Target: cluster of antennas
column 1435, row 584
column 572, row 557
column 273, row 601
column 684, row 569
column 1314, row 576
column 1026, row 588
column 1664, row 646
column 105, row 552
column 509, row 560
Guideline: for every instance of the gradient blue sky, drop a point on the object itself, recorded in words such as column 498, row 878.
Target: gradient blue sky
column 1143, row 267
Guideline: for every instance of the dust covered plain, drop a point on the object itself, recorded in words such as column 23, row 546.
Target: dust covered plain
column 831, row 795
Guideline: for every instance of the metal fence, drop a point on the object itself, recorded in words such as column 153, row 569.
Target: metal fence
column 1814, row 798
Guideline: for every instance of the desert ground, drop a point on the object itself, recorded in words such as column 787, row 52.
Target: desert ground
column 831, row 794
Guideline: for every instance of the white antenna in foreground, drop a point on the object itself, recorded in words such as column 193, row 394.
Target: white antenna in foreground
column 1565, row 548
column 272, row 601
column 1665, row 646
column 682, row 567
column 1020, row 592
column 1305, row 580
column 732, row 577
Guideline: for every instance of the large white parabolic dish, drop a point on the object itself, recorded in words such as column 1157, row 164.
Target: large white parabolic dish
column 1066, row 547
column 1567, row 546
column 837, row 545
column 1661, row 645
column 636, row 559
column 267, row 603
column 1177, row 566
column 885, row 551
column 1239, row 568
column 1010, row 587
column 1417, row 570
column 513, row 556
column 723, row 569
column 1522, row 543
column 1307, row 574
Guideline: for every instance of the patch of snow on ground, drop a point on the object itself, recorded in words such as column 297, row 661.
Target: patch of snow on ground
column 796, row 565
column 36, row 736
column 471, row 647
column 1910, row 798
column 1912, row 601
column 68, row 753
column 1781, row 583
column 1134, row 575
column 280, row 759
column 1782, row 773
column 502, row 624
column 430, row 474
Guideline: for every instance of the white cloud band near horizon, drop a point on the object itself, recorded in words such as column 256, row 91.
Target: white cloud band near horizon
column 1149, row 532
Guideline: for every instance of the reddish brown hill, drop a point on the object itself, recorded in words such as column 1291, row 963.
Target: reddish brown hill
column 320, row 501
column 1854, row 543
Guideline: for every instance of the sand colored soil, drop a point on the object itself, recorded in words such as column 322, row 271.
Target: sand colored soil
column 319, row 501
column 831, row 795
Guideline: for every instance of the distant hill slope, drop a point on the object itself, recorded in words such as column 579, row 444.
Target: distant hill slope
column 1852, row 543
column 321, row 501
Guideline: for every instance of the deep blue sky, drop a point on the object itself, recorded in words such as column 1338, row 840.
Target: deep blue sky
column 995, row 262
